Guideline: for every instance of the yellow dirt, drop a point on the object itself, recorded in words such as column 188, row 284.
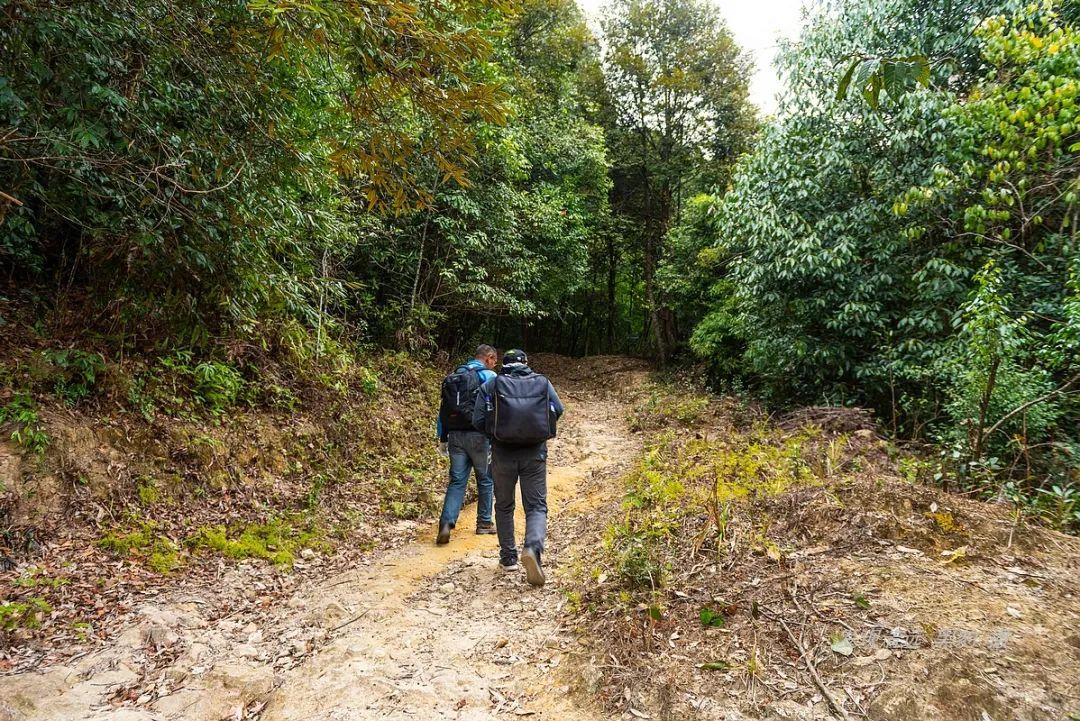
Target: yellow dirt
column 488, row 646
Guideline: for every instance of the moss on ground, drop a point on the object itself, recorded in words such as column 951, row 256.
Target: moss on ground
column 148, row 492
column 143, row 543
column 277, row 540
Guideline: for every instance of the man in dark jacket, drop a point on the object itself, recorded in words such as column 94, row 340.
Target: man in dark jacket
column 518, row 410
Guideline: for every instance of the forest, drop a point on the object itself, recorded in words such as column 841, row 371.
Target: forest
column 820, row 363
column 298, row 182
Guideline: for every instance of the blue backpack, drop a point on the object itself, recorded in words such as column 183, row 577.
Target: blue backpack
column 521, row 410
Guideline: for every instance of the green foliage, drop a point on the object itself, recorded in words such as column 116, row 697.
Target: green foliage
column 1060, row 507
column 711, row 617
column 684, row 481
column 318, row 483
column 990, row 376
column 666, row 405
column 675, row 99
column 78, row 371
column 29, row 432
column 22, row 614
column 1008, row 185
column 895, row 76
column 217, row 385
column 917, row 256
column 368, row 381
column 200, row 170
column 695, row 276
column 516, row 242
column 179, row 386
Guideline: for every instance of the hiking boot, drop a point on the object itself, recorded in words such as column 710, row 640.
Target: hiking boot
column 509, row 567
column 485, row 529
column 444, row 534
column 534, row 572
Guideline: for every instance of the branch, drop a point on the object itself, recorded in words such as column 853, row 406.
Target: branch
column 837, row 708
column 1029, row 404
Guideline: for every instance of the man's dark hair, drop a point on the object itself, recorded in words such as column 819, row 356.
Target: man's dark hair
column 484, row 350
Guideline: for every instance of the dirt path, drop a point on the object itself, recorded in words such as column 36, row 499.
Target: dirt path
column 419, row 632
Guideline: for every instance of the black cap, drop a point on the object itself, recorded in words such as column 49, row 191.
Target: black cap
column 515, row 355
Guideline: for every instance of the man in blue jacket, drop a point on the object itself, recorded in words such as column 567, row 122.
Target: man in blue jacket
column 468, row 448
column 518, row 410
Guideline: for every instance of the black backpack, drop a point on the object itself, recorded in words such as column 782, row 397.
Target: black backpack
column 458, row 397
column 521, row 410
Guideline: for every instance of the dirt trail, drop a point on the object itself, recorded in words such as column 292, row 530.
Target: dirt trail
column 419, row 632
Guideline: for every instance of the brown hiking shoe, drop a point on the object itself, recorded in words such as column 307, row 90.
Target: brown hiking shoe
column 485, row 529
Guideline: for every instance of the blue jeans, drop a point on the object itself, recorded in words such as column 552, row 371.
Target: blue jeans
column 468, row 450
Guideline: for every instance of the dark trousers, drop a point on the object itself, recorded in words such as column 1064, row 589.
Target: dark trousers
column 509, row 467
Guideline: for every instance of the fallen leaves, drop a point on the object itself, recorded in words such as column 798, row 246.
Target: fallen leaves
column 842, row 645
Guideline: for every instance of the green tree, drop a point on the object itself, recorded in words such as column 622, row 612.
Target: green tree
column 193, row 166
column 512, row 247
column 916, row 256
column 1006, row 192
column 677, row 85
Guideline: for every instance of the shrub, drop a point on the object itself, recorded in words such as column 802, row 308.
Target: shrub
column 78, row 372
column 686, row 487
column 29, row 432
column 217, row 385
column 181, row 387
column 665, row 406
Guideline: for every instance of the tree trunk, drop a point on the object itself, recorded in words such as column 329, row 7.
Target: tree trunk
column 611, row 310
column 652, row 245
column 984, row 406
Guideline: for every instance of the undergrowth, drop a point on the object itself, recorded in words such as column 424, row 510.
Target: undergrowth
column 28, row 429
column 664, row 405
column 681, row 479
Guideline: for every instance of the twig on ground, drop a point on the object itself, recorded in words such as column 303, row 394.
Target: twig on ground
column 833, row 703
column 354, row 619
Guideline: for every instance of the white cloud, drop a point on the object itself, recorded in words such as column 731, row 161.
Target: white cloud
column 756, row 25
